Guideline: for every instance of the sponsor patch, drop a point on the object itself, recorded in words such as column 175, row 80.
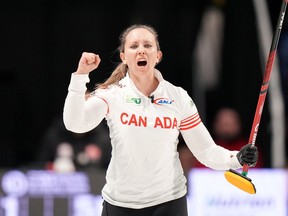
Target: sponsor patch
column 132, row 99
column 163, row 101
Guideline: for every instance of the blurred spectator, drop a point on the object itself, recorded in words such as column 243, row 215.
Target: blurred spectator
column 87, row 149
column 90, row 149
column 226, row 131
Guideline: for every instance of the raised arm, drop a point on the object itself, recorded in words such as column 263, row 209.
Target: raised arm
column 81, row 115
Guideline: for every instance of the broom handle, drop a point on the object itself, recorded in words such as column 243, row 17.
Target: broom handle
column 266, row 81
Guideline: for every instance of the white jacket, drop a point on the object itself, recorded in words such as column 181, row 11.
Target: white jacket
column 145, row 169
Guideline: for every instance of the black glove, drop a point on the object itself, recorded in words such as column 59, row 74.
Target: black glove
column 248, row 154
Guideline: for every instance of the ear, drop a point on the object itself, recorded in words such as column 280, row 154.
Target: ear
column 159, row 56
column 122, row 57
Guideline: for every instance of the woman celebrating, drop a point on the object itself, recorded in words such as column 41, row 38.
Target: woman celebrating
column 145, row 114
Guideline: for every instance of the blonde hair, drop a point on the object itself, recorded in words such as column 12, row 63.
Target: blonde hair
column 121, row 69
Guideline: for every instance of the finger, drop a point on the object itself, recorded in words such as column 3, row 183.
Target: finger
column 90, row 59
column 250, row 153
column 98, row 60
column 93, row 60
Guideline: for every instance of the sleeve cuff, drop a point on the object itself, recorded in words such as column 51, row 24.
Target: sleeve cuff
column 78, row 83
column 235, row 164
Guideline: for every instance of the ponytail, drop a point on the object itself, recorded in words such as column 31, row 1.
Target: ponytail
column 119, row 73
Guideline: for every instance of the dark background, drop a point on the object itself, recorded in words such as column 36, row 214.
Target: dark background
column 42, row 41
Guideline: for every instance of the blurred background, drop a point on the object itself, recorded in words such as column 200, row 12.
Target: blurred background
column 216, row 50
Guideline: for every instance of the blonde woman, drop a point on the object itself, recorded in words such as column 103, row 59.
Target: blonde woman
column 145, row 114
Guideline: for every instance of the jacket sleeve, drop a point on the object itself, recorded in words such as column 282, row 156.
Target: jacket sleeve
column 199, row 140
column 81, row 115
column 203, row 147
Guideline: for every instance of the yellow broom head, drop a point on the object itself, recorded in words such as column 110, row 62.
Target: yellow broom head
column 240, row 181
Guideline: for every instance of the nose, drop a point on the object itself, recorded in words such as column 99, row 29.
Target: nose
column 141, row 50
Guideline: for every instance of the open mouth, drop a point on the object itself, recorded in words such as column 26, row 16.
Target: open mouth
column 142, row 63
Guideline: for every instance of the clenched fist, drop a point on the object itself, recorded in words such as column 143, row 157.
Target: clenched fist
column 88, row 62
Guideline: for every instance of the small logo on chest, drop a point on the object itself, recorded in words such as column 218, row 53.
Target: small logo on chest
column 131, row 99
column 163, row 101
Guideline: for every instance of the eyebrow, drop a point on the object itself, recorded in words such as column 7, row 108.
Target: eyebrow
column 145, row 41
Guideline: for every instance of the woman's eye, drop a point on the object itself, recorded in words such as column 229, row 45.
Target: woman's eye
column 133, row 46
column 148, row 45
